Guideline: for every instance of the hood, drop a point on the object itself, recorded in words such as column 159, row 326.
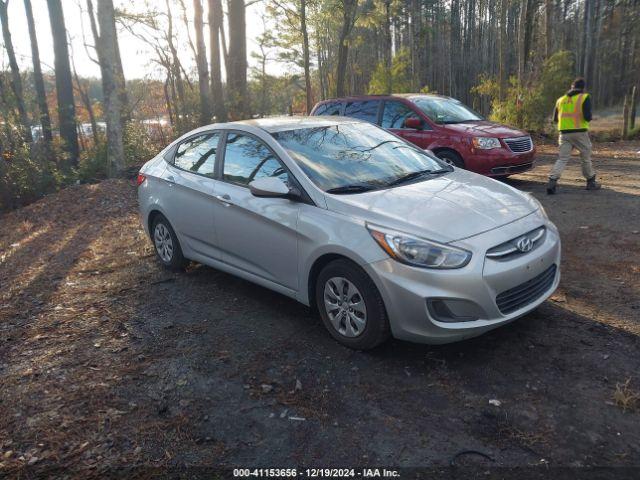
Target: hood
column 445, row 208
column 484, row 128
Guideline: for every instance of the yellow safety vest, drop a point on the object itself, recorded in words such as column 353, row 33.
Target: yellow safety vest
column 570, row 116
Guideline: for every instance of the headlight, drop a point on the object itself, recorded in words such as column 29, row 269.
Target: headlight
column 419, row 252
column 486, row 143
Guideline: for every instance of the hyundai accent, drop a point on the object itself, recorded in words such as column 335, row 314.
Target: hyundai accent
column 378, row 235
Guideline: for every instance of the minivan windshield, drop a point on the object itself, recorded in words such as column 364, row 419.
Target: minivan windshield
column 356, row 157
column 445, row 111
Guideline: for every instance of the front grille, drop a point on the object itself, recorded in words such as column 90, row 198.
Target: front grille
column 507, row 249
column 519, row 144
column 515, row 298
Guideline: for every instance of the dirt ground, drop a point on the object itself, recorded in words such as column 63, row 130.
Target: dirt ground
column 108, row 361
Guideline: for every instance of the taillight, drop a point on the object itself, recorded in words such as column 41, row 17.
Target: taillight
column 141, row 179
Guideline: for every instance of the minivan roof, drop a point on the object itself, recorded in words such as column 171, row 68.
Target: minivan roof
column 384, row 96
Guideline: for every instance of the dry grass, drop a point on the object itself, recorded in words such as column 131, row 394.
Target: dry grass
column 626, row 397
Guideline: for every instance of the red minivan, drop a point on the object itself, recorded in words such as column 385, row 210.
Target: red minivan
column 444, row 125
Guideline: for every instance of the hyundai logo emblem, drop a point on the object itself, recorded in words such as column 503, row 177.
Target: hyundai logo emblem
column 524, row 244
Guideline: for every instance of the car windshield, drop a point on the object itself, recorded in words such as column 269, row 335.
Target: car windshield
column 356, row 157
column 445, row 110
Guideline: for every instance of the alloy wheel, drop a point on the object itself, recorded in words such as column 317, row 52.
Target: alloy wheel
column 345, row 307
column 163, row 242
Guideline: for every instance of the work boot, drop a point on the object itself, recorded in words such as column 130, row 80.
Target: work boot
column 551, row 186
column 592, row 184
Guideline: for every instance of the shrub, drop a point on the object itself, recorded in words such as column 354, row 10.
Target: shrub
column 401, row 80
column 28, row 171
column 139, row 147
column 529, row 106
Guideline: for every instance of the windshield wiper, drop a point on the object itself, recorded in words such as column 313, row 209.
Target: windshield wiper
column 413, row 175
column 346, row 189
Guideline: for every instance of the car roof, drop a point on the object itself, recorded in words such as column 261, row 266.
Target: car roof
column 385, row 96
column 280, row 124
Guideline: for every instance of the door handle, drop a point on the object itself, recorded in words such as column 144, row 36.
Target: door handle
column 170, row 180
column 224, row 199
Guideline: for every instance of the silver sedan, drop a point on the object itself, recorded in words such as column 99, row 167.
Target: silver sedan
column 381, row 237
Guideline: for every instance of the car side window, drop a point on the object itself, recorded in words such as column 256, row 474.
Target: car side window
column 247, row 159
column 367, row 110
column 198, row 154
column 330, row 108
column 395, row 113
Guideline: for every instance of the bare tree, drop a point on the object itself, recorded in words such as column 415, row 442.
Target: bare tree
column 16, row 79
column 237, row 66
column 106, row 42
column 349, row 8
column 305, row 55
column 45, row 119
column 203, row 67
column 215, row 22
column 176, row 69
column 64, row 82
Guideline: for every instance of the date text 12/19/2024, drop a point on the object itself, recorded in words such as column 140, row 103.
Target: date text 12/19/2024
column 315, row 473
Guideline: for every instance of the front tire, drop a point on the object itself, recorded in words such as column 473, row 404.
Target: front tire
column 166, row 244
column 451, row 157
column 351, row 306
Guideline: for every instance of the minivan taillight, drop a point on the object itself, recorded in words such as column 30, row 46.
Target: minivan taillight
column 141, row 178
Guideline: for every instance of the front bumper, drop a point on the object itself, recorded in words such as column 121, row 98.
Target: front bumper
column 499, row 162
column 407, row 291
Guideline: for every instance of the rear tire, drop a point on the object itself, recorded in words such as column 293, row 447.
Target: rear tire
column 451, row 157
column 351, row 306
column 166, row 244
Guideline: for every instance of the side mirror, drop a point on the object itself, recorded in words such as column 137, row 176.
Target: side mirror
column 269, row 187
column 413, row 122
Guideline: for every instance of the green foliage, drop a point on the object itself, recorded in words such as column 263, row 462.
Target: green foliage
column 398, row 78
column 139, row 147
column 93, row 163
column 26, row 171
column 529, row 106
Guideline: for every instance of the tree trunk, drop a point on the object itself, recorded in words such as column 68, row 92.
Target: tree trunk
column 16, row 79
column 548, row 26
column 625, row 117
column 522, row 43
column 112, row 86
column 237, row 70
column 64, row 82
column 632, row 108
column 45, row 118
column 217, row 95
column 176, row 71
column 387, row 49
column 305, row 55
column 591, row 24
column 202, row 65
column 106, row 41
column 348, row 19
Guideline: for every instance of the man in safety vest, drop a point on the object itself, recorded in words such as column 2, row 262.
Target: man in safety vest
column 573, row 114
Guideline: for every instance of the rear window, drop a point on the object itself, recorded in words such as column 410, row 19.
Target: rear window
column 331, row 108
column 367, row 110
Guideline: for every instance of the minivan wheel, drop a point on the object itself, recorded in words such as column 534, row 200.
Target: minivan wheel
column 452, row 158
column 166, row 244
column 351, row 306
